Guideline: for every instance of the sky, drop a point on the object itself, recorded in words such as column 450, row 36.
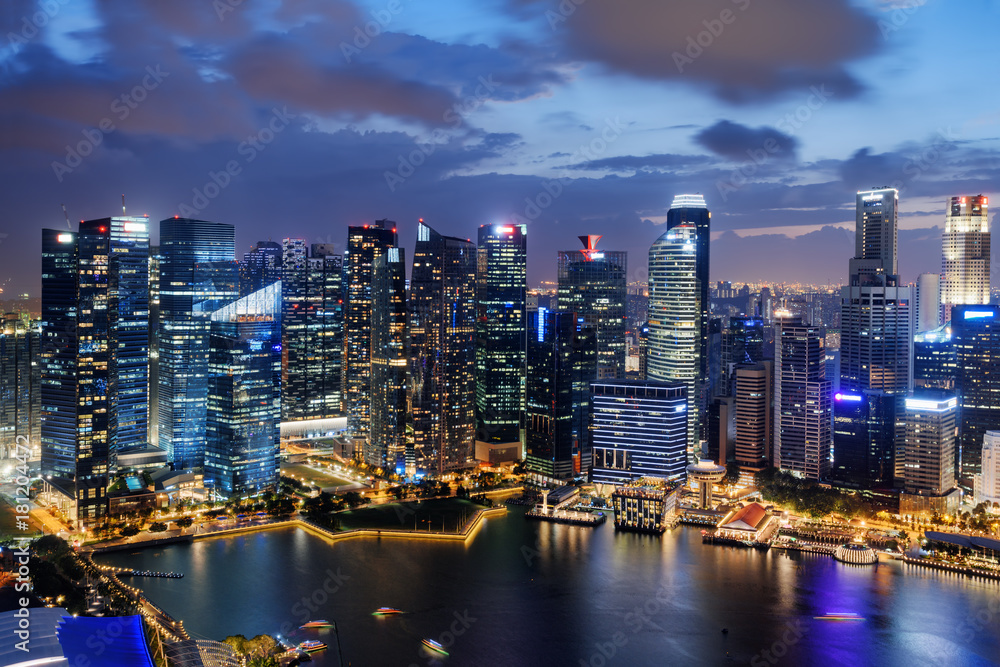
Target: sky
column 297, row 118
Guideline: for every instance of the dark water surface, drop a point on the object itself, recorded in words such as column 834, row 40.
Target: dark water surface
column 527, row 593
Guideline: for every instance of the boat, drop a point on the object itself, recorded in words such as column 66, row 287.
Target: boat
column 316, row 624
column 840, row 616
column 311, row 646
column 386, row 611
column 434, row 647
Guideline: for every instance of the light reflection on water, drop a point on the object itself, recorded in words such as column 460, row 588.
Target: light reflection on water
column 528, row 593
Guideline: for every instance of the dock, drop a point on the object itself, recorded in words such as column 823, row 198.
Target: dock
column 570, row 517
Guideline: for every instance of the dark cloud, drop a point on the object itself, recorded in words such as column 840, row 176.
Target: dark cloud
column 660, row 161
column 740, row 143
column 741, row 50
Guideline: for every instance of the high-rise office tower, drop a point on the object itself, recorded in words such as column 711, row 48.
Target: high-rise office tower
column 387, row 446
column 364, row 244
column 875, row 345
column 592, row 284
column 975, row 332
column 562, row 362
column 928, row 298
column 312, row 326
column 988, row 481
column 802, row 429
column 154, row 346
column 442, row 380
column 20, row 385
column 244, row 395
column 260, row 267
column 501, row 326
column 754, row 416
column 198, row 276
column 965, row 257
column 677, row 349
column 638, row 430
column 934, row 363
column 94, row 392
column 929, row 448
column 742, row 345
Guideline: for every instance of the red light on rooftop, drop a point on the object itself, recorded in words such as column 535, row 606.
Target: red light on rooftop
column 176, row 217
column 102, row 229
column 420, row 219
column 393, row 230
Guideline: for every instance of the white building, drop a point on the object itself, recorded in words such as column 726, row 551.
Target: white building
column 965, row 256
column 988, row 481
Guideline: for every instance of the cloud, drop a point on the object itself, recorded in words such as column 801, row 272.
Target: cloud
column 741, row 51
column 739, row 142
column 660, row 161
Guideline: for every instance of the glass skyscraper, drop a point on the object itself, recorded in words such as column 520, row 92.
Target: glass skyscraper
column 364, row 244
column 387, row 446
column 312, row 324
column 676, row 346
column 976, row 335
column 742, row 345
column 20, row 384
column 198, row 276
column 260, row 267
column 501, row 326
column 965, row 256
column 562, row 362
column 639, row 429
column 244, row 395
column 592, row 284
column 442, row 350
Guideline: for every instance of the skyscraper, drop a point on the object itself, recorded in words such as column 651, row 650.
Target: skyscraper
column 20, row 385
column 312, row 324
column 260, row 267
column 965, row 257
column 875, row 346
column 198, row 276
column 676, row 344
column 501, row 338
column 976, row 335
column 929, row 449
column 387, row 446
column 742, row 345
column 364, row 244
column 562, row 362
column 442, row 350
column 95, row 355
column 928, row 298
column 592, row 284
column 754, row 416
column 244, row 395
column 802, row 401
column 988, row 482
column 638, row 430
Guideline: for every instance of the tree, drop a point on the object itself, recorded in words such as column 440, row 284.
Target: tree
column 157, row 527
column 184, row 522
column 732, row 474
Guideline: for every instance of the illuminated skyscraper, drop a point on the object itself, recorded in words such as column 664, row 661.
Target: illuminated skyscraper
column 244, row 395
column 592, row 283
column 95, row 355
column 501, row 325
column 928, row 298
column 562, row 362
column 260, row 267
column 676, row 343
column 312, row 324
column 442, row 350
column 742, row 345
column 965, row 257
column 802, row 400
column 198, row 276
column 754, row 391
column 20, row 385
column 929, row 448
column 364, row 244
column 975, row 332
column 387, row 446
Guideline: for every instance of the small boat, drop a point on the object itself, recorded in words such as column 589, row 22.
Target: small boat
column 434, row 647
column 316, row 624
column 848, row 616
column 386, row 611
column 311, row 646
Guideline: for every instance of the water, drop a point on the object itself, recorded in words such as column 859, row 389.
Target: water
column 529, row 593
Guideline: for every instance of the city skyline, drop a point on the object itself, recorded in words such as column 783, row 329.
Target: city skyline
column 519, row 125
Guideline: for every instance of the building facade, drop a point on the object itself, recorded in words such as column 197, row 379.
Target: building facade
column 592, row 284
column 754, row 391
column 803, row 436
column 501, row 332
column 442, row 375
column 929, row 455
column 965, row 253
column 260, row 267
column 198, row 276
column 638, row 429
column 975, row 331
column 20, row 386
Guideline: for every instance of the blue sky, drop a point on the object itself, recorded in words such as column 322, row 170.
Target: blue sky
column 577, row 118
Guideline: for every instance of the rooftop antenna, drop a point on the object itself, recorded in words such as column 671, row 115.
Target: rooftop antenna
column 123, row 205
column 68, row 225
